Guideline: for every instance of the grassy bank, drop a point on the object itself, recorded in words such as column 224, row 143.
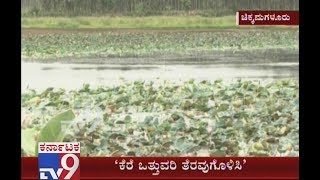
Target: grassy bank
column 130, row 22
column 139, row 44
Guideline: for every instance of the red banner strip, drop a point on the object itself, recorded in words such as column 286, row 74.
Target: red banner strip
column 178, row 168
column 286, row 18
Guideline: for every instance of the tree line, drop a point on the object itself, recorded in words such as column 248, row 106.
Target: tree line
column 149, row 7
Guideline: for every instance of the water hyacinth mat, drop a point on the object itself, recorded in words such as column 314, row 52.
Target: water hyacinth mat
column 242, row 118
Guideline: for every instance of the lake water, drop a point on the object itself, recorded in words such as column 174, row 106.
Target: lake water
column 40, row 76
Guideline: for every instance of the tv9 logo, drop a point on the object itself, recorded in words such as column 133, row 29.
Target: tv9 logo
column 59, row 160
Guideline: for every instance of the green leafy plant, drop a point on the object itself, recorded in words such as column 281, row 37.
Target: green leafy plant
column 242, row 118
column 54, row 130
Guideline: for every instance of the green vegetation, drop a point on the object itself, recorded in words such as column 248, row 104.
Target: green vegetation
column 149, row 7
column 156, row 22
column 138, row 44
column 244, row 118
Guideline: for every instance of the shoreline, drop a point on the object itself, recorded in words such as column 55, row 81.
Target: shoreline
column 196, row 57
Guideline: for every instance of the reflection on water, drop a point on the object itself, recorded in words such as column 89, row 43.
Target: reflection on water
column 121, row 68
column 70, row 76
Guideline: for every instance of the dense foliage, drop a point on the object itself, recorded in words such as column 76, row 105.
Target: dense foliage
column 149, row 7
column 244, row 118
column 133, row 44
